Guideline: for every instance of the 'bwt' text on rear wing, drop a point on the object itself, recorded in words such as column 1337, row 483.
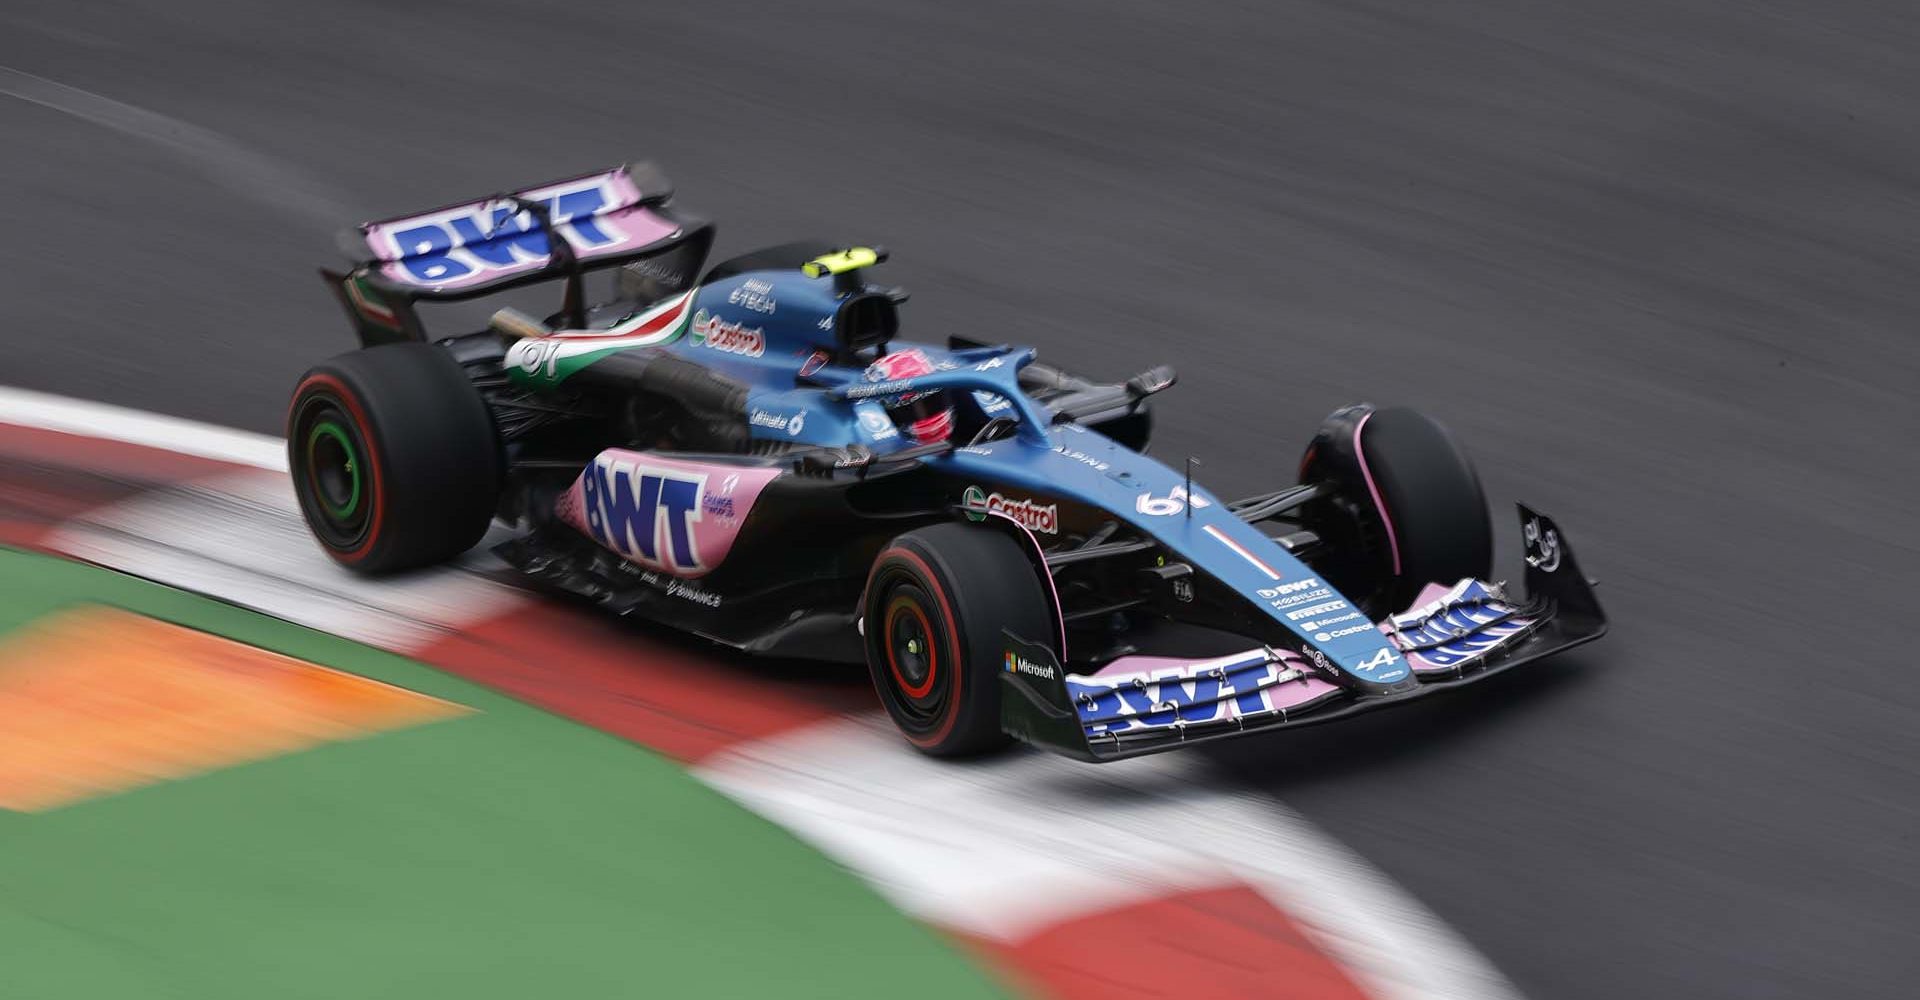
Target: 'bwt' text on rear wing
column 504, row 241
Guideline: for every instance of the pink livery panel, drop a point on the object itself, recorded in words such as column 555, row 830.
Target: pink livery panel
column 676, row 515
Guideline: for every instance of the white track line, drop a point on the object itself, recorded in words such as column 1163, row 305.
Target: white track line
column 25, row 408
column 999, row 849
column 239, row 537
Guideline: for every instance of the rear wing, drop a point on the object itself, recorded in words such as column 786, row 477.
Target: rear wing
column 492, row 244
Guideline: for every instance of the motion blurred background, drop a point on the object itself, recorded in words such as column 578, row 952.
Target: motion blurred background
column 1652, row 261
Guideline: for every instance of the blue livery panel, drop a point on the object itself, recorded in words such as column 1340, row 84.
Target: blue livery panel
column 1152, row 498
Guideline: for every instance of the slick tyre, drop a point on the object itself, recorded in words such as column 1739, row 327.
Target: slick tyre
column 936, row 603
column 394, row 457
column 1415, row 496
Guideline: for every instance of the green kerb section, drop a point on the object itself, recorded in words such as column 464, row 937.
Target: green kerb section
column 506, row 854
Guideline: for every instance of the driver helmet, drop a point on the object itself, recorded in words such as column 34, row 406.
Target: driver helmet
column 925, row 417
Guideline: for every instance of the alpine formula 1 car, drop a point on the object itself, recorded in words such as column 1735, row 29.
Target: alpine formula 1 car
column 746, row 451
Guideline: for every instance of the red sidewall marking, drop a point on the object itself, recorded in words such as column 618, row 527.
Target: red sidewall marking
column 338, row 390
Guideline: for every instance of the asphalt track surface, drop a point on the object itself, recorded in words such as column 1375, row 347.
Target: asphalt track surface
column 1653, row 261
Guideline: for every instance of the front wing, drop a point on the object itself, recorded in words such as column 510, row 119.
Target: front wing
column 1451, row 637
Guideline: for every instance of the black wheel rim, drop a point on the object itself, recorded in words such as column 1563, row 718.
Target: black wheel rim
column 913, row 647
column 335, row 468
column 909, row 648
column 332, row 474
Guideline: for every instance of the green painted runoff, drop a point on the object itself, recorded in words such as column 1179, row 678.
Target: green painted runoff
column 507, row 854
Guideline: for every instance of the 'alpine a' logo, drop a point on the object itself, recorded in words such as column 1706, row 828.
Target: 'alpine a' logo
column 1384, row 658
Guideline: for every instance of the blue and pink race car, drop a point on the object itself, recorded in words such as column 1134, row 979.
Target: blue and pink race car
column 748, row 451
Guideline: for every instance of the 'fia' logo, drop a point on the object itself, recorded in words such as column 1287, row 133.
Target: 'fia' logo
column 646, row 514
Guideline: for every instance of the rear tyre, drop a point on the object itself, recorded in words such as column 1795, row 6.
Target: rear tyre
column 1409, row 507
column 936, row 603
column 394, row 457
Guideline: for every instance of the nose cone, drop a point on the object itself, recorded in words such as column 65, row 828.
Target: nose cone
column 1336, row 629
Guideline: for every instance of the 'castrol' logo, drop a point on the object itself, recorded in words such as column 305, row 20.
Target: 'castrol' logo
column 1044, row 518
column 732, row 338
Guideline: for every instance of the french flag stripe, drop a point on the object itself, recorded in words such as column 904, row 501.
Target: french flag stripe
column 1222, row 538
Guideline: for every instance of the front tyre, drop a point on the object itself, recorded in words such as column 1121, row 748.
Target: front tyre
column 937, row 602
column 394, row 457
column 1409, row 509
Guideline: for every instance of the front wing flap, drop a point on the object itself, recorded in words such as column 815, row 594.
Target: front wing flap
column 1452, row 636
